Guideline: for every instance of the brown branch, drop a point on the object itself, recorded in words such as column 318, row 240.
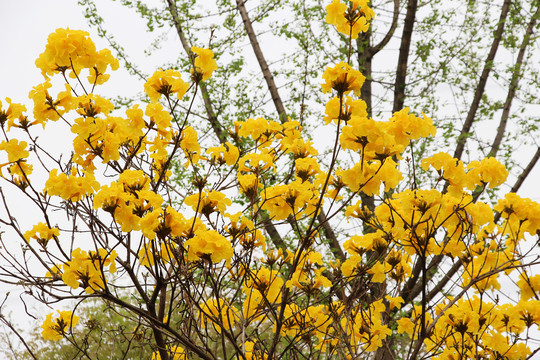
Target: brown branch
column 159, row 326
column 365, row 57
column 366, row 52
column 268, row 225
column 401, row 71
column 331, row 235
column 488, row 65
column 276, row 238
column 521, row 178
column 262, row 61
column 409, row 294
column 375, row 49
column 17, row 333
column 516, row 74
column 212, row 118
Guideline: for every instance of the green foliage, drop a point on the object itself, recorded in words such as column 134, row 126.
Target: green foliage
column 107, row 332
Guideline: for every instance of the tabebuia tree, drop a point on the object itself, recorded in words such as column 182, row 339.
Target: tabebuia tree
column 257, row 247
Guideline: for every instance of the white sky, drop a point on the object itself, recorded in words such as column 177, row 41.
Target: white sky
column 25, row 25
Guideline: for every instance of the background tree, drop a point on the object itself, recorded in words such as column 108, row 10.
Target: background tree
column 105, row 331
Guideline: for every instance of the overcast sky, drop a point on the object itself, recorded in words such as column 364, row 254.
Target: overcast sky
column 25, row 25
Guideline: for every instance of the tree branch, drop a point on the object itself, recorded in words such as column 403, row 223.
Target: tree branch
column 516, row 74
column 401, row 71
column 331, row 235
column 212, row 118
column 488, row 65
column 262, row 61
column 375, row 49
column 521, row 178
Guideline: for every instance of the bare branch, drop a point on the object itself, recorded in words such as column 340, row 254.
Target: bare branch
column 401, row 71
column 516, row 74
column 488, row 65
column 262, row 61
column 212, row 118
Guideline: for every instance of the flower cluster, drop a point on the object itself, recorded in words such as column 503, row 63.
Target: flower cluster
column 349, row 19
column 42, row 233
column 165, row 83
column 204, row 64
column 56, row 329
column 73, row 50
column 86, row 269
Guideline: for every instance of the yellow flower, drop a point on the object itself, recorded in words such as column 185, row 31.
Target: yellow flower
column 175, row 353
column 73, row 50
column 263, row 286
column 219, row 314
column 12, row 112
column 350, row 108
column 209, row 245
column 190, row 145
column 72, row 187
column 487, row 171
column 349, row 21
column 394, row 302
column 405, row 325
column 102, row 59
column 342, row 78
column 88, row 268
column 149, row 252
column 529, row 286
column 254, row 351
column 255, row 162
column 306, row 168
column 56, row 329
column 335, row 13
column 349, row 266
column 92, row 105
column 450, row 169
column 19, row 172
column 165, row 83
column 42, row 233
column 204, row 64
column 15, row 150
column 208, row 202
column 249, row 185
column 258, row 129
column 378, row 272
column 225, row 153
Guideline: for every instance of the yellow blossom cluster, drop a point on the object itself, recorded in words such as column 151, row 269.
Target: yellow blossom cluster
column 175, row 352
column 472, row 327
column 42, row 233
column 73, row 50
column 209, row 245
column 17, row 155
column 165, row 83
column 204, row 64
column 218, row 313
column 349, row 18
column 56, row 329
column 73, row 187
column 262, row 289
column 86, row 269
column 12, row 112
